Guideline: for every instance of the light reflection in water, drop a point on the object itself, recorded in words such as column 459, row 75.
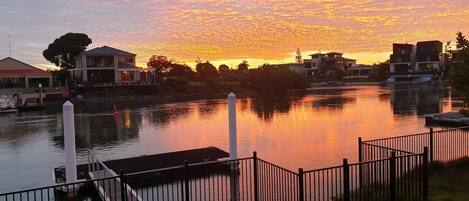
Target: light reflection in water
column 309, row 131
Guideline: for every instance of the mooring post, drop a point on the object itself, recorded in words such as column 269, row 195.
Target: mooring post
column 69, row 139
column 232, row 126
column 431, row 144
column 40, row 94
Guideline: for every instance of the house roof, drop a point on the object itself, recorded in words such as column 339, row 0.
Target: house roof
column 13, row 68
column 107, row 51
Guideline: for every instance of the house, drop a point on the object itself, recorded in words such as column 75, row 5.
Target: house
column 106, row 65
column 359, row 72
column 14, row 73
column 298, row 68
column 420, row 62
column 323, row 65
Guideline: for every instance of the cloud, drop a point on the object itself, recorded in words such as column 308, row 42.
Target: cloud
column 227, row 30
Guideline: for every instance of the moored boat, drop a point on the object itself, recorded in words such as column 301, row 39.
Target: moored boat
column 7, row 104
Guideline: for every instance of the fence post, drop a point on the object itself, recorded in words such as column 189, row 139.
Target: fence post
column 431, row 144
column 123, row 191
column 392, row 177
column 360, row 159
column 256, row 187
column 346, row 180
column 186, row 181
column 425, row 173
column 301, row 189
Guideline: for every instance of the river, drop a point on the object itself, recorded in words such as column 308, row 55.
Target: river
column 315, row 130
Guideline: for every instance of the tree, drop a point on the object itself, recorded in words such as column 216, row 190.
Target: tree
column 381, row 70
column 243, row 66
column 65, row 49
column 180, row 70
column 223, row 68
column 298, row 56
column 160, row 64
column 272, row 80
column 459, row 71
column 206, row 70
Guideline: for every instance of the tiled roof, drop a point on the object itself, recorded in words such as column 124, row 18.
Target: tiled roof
column 8, row 65
column 107, row 51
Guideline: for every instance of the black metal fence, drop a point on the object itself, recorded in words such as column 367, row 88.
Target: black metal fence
column 395, row 178
column 251, row 179
column 444, row 145
column 391, row 169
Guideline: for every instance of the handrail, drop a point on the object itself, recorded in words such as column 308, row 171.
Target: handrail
column 127, row 187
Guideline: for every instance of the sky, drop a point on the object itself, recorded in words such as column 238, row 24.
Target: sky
column 227, row 31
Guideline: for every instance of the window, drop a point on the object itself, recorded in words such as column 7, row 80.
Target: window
column 314, row 64
column 107, row 61
column 127, row 75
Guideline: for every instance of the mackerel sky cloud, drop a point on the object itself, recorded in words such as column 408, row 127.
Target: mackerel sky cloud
column 227, row 31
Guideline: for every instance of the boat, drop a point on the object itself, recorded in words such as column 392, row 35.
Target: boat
column 7, row 104
column 28, row 108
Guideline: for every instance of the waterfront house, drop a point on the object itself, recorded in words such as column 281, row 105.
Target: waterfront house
column 298, row 68
column 359, row 71
column 14, row 73
column 106, row 65
column 323, row 65
column 421, row 62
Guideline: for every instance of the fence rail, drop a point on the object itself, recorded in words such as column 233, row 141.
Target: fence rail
column 444, row 145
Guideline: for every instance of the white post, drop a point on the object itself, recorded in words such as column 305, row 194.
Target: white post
column 232, row 125
column 69, row 139
column 40, row 93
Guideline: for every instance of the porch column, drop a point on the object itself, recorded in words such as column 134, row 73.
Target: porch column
column 26, row 81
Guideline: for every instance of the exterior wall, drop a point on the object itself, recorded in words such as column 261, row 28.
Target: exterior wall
column 14, row 65
column 426, row 54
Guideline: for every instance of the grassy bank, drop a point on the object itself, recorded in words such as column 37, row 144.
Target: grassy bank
column 449, row 182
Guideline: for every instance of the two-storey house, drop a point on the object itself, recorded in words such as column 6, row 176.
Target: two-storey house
column 106, row 65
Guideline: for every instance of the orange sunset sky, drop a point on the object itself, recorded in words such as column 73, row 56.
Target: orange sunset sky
column 226, row 31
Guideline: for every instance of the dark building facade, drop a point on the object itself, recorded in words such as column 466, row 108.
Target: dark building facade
column 421, row 62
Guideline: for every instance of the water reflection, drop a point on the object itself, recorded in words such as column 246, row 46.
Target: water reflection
column 335, row 102
column 417, row 99
column 266, row 107
column 102, row 130
column 161, row 117
column 309, row 131
column 207, row 108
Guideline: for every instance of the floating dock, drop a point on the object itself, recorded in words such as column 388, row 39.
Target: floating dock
column 447, row 119
column 157, row 161
column 96, row 169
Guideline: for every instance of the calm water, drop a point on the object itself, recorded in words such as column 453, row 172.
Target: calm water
column 310, row 131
